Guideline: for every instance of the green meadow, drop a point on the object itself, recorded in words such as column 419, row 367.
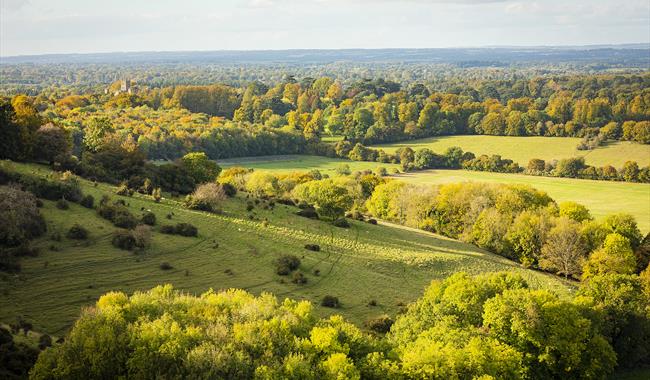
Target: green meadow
column 388, row 264
column 522, row 149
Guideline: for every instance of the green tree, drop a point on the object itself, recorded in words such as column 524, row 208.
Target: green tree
column 615, row 256
column 330, row 199
column 95, row 133
column 564, row 249
column 200, row 167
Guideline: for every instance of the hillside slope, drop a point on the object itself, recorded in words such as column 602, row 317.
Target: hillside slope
column 389, row 265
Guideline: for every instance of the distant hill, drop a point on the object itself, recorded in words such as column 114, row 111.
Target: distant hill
column 630, row 54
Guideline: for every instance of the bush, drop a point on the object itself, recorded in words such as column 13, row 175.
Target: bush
column 123, row 240
column 77, row 232
column 166, row 266
column 341, row 223
column 62, row 204
column 312, row 247
column 168, row 229
column 206, row 197
column 186, row 229
column 287, row 264
column 124, row 190
column 117, row 213
column 149, row 218
column 372, row 221
column 142, row 236
column 330, row 301
column 381, row 324
column 356, row 215
column 299, row 278
column 183, row 229
column 125, row 220
column 308, row 213
column 229, row 189
column 87, row 201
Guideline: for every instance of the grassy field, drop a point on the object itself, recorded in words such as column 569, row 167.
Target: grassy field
column 522, row 149
column 291, row 163
column 366, row 262
column 602, row 197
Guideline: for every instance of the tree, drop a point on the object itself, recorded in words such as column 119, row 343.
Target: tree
column 558, row 341
column 52, row 143
column 10, row 133
column 615, row 256
column 95, row 132
column 261, row 183
column 564, row 249
column 200, row 167
column 20, row 219
column 624, row 224
column 575, row 211
column 330, row 198
column 630, row 171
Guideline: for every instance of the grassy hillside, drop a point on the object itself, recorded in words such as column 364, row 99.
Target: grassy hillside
column 602, row 197
column 522, row 149
column 384, row 263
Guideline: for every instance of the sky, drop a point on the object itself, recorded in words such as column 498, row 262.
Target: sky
column 88, row 26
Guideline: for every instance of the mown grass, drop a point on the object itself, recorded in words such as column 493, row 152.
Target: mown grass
column 367, row 262
column 522, row 149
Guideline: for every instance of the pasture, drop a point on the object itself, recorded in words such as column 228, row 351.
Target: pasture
column 522, row 149
column 237, row 248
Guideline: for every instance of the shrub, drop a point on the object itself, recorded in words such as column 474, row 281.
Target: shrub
column 186, row 229
column 330, row 301
column 117, row 213
column 123, row 240
column 206, row 197
column 299, row 278
column 168, row 229
column 308, row 213
column 142, row 236
column 166, row 266
column 372, row 221
column 381, row 324
column 62, row 204
column 356, row 215
column 125, row 220
column 229, row 189
column 183, row 229
column 87, row 201
column 77, row 232
column 287, row 264
column 341, row 223
column 149, row 218
column 312, row 247
column 124, row 190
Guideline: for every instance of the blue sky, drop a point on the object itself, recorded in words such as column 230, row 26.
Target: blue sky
column 78, row 26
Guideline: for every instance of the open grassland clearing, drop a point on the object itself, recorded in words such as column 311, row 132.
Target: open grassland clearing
column 292, row 163
column 521, row 149
column 389, row 265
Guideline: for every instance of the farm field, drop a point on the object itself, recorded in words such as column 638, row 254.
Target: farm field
column 601, row 197
column 522, row 149
column 367, row 262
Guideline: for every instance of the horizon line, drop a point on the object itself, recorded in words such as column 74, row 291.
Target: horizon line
column 567, row 46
